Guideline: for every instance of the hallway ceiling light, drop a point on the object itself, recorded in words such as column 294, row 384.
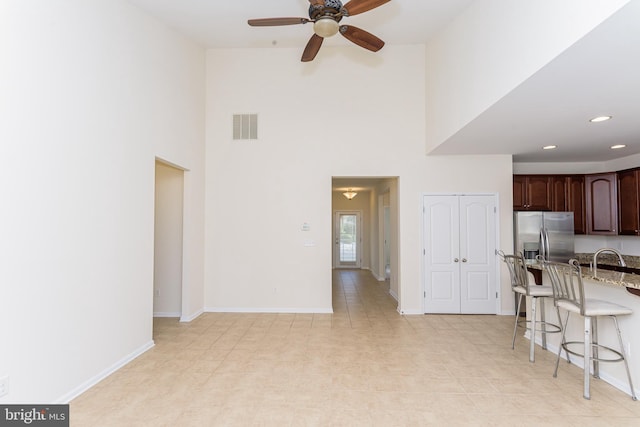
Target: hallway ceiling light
column 549, row 147
column 617, row 147
column 600, row 119
column 350, row 194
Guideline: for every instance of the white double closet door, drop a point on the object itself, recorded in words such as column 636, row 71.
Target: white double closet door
column 460, row 254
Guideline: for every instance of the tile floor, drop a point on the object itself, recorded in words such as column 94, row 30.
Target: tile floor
column 364, row 365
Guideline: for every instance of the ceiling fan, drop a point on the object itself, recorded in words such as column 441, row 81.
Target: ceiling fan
column 326, row 15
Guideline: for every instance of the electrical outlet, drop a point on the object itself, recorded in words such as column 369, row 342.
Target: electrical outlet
column 4, row 386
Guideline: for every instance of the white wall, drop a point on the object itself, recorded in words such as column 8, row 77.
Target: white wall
column 627, row 245
column 559, row 168
column 492, row 47
column 316, row 123
column 375, row 216
column 168, row 236
column 391, row 190
column 621, row 163
column 381, row 256
column 92, row 93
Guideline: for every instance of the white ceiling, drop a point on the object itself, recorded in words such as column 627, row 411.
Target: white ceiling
column 223, row 24
column 358, row 184
column 598, row 75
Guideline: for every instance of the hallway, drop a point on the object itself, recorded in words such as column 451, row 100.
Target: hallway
column 364, row 365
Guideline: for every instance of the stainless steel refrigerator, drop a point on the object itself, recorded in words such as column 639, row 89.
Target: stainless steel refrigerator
column 549, row 234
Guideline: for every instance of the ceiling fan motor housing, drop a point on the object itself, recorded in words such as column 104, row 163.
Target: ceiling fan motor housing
column 331, row 7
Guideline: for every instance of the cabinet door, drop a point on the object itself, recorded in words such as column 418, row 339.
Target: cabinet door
column 559, row 193
column 576, row 203
column 602, row 203
column 628, row 203
column 519, row 196
column 538, row 191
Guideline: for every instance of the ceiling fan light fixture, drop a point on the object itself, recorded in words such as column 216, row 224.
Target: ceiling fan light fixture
column 350, row 194
column 326, row 27
column 326, row 16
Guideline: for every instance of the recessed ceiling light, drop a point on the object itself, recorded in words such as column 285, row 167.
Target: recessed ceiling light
column 549, row 147
column 615, row 147
column 600, row 119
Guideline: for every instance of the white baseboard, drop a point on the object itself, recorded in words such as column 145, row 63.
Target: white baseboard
column 377, row 276
column 269, row 310
column 191, row 317
column 63, row 400
column 409, row 312
column 393, row 294
column 166, row 314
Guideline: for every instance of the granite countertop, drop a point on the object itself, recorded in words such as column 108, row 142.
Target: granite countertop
column 607, row 258
column 608, row 277
column 618, row 278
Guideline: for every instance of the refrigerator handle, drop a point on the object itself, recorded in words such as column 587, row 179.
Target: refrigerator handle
column 546, row 239
column 543, row 243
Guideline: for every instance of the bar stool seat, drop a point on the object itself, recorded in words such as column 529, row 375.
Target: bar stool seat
column 596, row 307
column 523, row 285
column 569, row 295
column 535, row 291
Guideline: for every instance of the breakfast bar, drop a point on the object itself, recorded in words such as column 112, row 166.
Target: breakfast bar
column 620, row 287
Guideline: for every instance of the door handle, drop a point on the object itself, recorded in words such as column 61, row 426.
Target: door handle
column 455, row 260
column 464, row 260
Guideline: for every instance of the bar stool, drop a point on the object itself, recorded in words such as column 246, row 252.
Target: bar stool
column 522, row 287
column 568, row 291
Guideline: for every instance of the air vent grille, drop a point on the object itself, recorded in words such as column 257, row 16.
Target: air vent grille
column 245, row 126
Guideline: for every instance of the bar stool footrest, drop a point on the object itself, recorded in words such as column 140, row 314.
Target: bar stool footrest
column 619, row 355
column 549, row 328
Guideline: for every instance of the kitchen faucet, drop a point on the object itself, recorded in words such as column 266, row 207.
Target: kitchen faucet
column 599, row 251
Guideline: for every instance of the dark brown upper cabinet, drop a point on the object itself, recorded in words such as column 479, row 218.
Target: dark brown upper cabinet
column 602, row 203
column 559, row 193
column 629, row 202
column 576, row 203
column 567, row 195
column 532, row 193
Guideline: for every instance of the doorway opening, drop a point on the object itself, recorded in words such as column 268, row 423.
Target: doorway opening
column 365, row 227
column 168, row 238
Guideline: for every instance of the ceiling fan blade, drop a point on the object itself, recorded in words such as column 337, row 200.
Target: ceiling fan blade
column 270, row 22
column 316, row 2
column 361, row 38
column 313, row 46
column 355, row 7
